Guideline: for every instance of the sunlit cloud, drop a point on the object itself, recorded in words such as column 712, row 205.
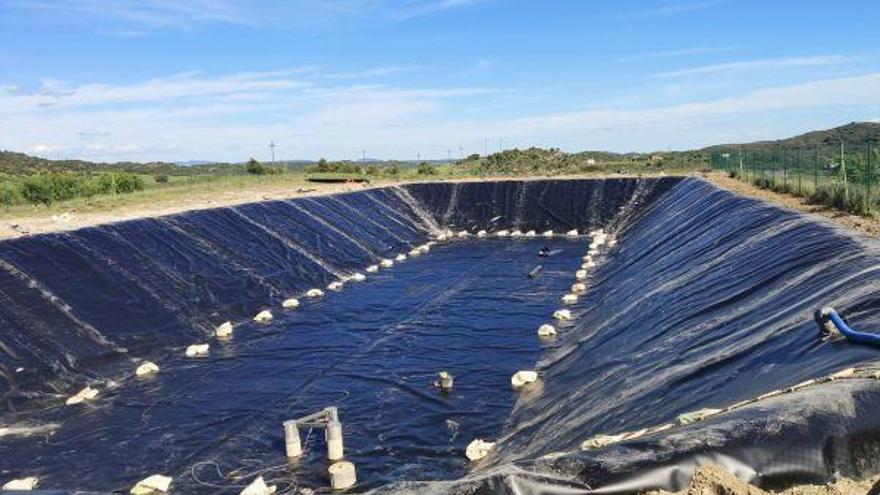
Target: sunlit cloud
column 763, row 64
column 673, row 8
column 137, row 18
column 231, row 117
column 681, row 52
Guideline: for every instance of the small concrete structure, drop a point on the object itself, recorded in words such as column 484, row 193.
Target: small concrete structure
column 342, row 475
column 327, row 418
column 291, row 303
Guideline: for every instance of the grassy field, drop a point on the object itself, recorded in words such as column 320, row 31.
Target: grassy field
column 203, row 188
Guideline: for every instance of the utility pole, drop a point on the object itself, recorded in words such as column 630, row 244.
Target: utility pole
column 272, row 148
column 461, row 152
column 449, row 155
column 363, row 156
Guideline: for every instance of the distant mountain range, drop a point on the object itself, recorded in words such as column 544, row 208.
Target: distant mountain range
column 13, row 163
column 852, row 134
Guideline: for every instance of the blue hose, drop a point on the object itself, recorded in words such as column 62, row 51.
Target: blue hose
column 849, row 333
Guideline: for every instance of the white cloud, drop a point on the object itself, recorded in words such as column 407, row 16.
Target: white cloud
column 763, row 64
column 680, row 52
column 230, row 117
column 369, row 73
column 134, row 18
column 418, row 8
column 673, row 8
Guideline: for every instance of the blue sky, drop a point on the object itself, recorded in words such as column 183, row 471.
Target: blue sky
column 218, row 79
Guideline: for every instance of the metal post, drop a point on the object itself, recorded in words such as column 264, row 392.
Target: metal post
column 799, row 172
column 868, row 177
column 784, row 156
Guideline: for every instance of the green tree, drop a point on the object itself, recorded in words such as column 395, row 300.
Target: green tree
column 426, row 168
column 7, row 196
column 37, row 190
column 254, row 167
column 322, row 167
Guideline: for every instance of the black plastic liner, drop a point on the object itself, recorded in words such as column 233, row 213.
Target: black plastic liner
column 706, row 301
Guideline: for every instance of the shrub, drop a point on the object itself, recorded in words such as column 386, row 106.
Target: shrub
column 586, row 169
column 8, row 195
column 48, row 188
column 392, row 169
column 114, row 182
column 853, row 201
column 128, row 182
column 161, row 179
column 426, row 168
column 254, row 167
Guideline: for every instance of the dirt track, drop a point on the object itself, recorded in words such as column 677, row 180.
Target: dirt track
column 867, row 225
column 712, row 480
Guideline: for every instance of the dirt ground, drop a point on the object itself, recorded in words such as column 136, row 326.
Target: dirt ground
column 867, row 225
column 712, row 480
column 73, row 219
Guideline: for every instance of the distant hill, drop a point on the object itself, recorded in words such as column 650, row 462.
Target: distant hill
column 13, row 164
column 853, row 134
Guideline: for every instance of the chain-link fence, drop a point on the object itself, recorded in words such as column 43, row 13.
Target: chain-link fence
column 841, row 175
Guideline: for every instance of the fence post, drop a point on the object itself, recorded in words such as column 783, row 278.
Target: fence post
column 784, row 168
column 869, row 177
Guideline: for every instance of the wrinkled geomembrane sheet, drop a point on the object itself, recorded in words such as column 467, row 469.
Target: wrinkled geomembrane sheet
column 706, row 301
